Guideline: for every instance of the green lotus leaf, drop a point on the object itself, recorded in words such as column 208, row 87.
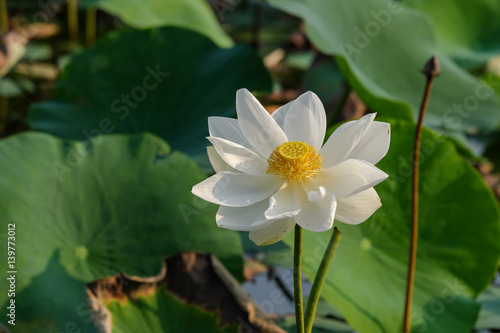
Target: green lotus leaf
column 381, row 47
column 161, row 312
column 118, row 204
column 196, row 15
column 465, row 30
column 53, row 302
column 166, row 81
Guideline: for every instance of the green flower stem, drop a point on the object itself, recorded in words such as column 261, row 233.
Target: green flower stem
column 73, row 21
column 90, row 27
column 297, row 279
column 4, row 17
column 319, row 280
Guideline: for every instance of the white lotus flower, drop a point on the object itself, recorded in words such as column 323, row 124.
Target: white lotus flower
column 272, row 171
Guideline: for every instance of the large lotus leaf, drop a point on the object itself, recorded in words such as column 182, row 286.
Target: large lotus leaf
column 122, row 203
column 196, row 15
column 458, row 247
column 166, row 81
column 381, row 47
column 466, row 30
column 161, row 312
column 53, row 302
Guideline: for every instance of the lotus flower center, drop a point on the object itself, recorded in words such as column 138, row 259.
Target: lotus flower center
column 293, row 150
column 294, row 162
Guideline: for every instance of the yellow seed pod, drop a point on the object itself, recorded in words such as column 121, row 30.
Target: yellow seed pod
column 293, row 151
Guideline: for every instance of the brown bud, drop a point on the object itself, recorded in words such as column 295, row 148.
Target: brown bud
column 432, row 68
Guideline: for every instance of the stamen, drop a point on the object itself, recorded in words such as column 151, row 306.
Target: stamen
column 294, row 162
